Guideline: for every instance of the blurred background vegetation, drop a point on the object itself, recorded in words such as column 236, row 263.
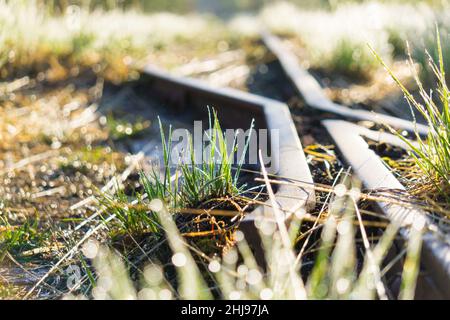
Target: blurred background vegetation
column 219, row 7
column 334, row 33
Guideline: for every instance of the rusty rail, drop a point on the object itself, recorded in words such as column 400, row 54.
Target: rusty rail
column 312, row 93
column 368, row 166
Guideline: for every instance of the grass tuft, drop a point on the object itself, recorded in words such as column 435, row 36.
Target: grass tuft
column 20, row 238
column 192, row 184
column 212, row 183
column 431, row 155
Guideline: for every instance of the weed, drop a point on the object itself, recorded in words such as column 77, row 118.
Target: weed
column 351, row 59
column 423, row 52
column 432, row 155
column 134, row 218
column 212, row 183
column 19, row 238
column 194, row 184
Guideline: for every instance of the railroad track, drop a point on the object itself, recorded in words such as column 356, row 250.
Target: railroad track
column 434, row 279
column 236, row 109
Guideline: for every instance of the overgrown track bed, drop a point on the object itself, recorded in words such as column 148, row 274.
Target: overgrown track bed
column 235, row 109
column 267, row 79
column 190, row 94
column 373, row 174
column 304, row 178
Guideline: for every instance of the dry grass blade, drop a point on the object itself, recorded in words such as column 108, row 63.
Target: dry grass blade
column 297, row 282
column 305, row 244
column 381, row 290
column 192, row 285
column 26, row 161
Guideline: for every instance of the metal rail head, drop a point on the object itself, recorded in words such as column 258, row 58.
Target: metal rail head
column 368, row 166
column 311, row 91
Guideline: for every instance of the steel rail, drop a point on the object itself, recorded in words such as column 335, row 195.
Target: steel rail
column 367, row 165
column 311, row 91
